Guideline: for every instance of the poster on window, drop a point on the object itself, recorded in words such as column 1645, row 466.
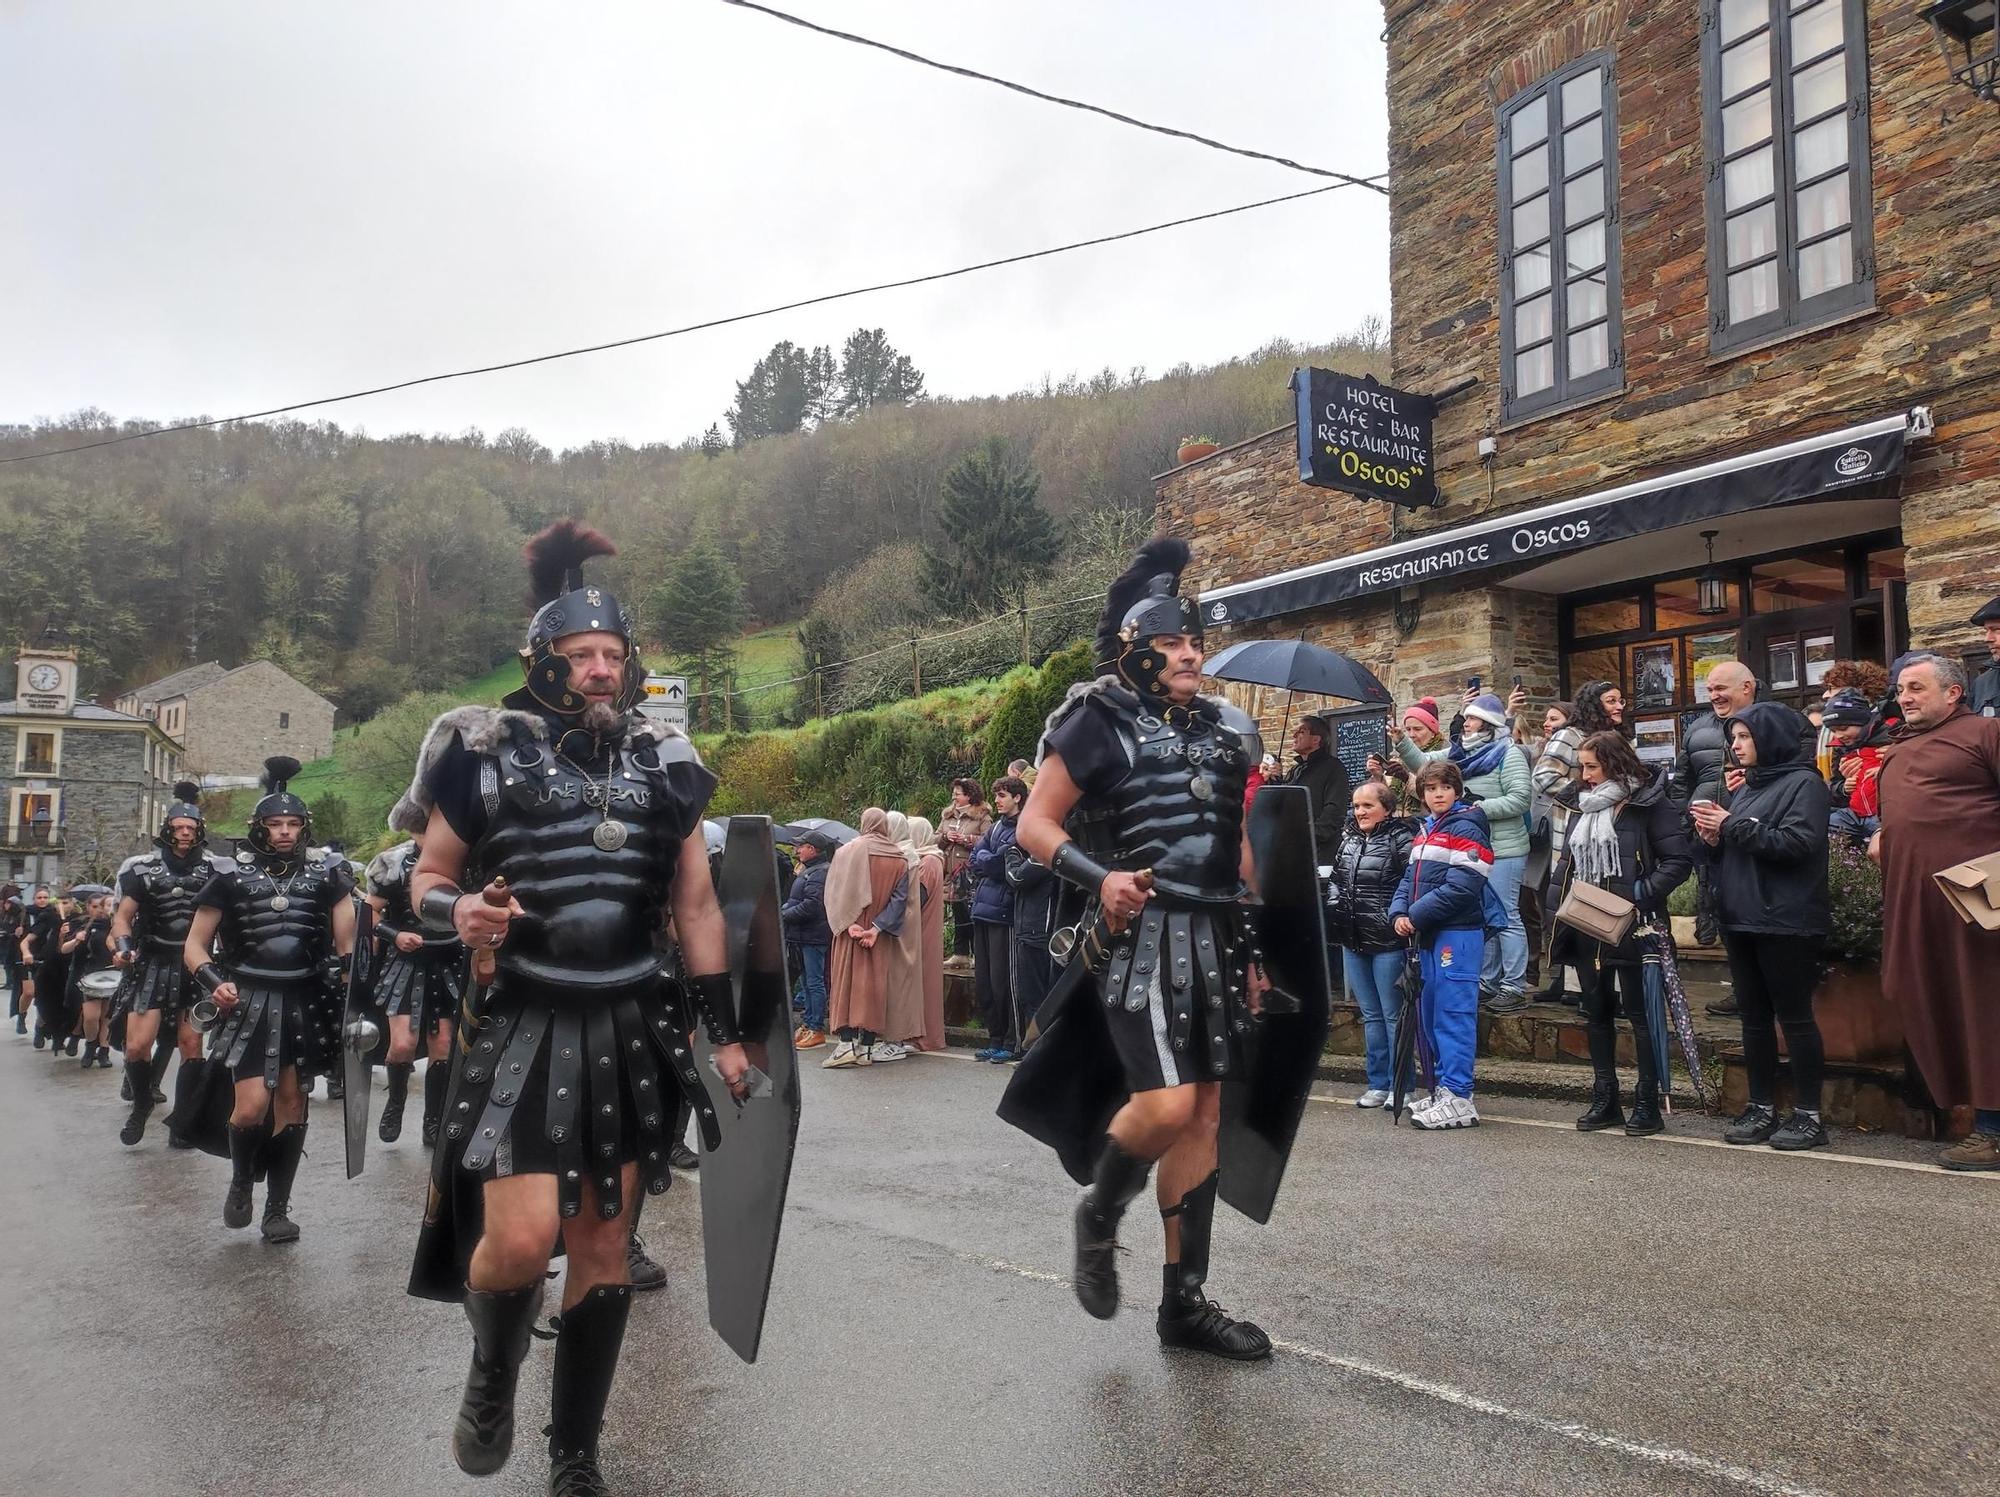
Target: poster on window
column 1653, row 675
column 1654, row 739
column 1819, row 658
column 1784, row 666
column 1706, row 651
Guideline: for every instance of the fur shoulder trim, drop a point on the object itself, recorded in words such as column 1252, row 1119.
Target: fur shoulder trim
column 389, row 866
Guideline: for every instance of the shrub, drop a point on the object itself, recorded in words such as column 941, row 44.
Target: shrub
column 1015, row 729
column 1856, row 887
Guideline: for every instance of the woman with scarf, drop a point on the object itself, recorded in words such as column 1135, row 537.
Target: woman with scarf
column 1599, row 707
column 867, row 900
column 930, row 942
column 1499, row 781
column 1768, row 848
column 1625, row 837
column 961, row 826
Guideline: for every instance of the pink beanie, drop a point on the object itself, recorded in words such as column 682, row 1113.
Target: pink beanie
column 1425, row 711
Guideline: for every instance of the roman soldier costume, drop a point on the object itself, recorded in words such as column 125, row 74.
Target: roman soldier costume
column 424, row 984
column 164, row 885
column 568, row 1064
column 277, row 947
column 1163, row 1000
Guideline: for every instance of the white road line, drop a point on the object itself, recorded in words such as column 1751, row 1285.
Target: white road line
column 1822, row 1155
column 1659, row 1455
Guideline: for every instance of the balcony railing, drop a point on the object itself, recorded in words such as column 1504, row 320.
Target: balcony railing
column 31, row 839
column 38, row 767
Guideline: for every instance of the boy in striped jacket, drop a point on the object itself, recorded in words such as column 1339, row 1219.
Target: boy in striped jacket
column 1441, row 906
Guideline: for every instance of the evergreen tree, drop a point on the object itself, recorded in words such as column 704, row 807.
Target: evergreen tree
column 789, row 390
column 995, row 537
column 873, row 373
column 713, row 443
column 699, row 612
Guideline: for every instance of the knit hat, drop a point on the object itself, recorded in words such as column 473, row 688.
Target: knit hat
column 1847, row 709
column 1425, row 711
column 1488, row 709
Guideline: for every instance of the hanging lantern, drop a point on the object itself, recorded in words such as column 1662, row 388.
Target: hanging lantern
column 1968, row 33
column 1711, row 588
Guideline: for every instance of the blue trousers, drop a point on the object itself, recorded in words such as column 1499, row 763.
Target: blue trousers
column 812, row 986
column 1451, row 1003
column 1505, row 963
column 1371, row 982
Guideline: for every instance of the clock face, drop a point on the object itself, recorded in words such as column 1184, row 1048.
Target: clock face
column 44, row 678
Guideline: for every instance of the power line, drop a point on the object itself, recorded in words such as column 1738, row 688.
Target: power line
column 1036, row 93
column 692, row 327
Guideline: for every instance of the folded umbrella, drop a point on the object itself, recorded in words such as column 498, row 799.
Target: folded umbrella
column 1656, row 1025
column 1412, row 1043
column 1674, row 996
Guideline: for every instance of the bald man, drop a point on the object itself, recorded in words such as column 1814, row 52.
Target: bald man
column 1702, row 772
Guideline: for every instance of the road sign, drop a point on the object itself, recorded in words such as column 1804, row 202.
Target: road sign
column 665, row 700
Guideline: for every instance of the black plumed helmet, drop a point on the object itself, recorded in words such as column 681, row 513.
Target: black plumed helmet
column 1142, row 603
column 565, row 604
column 278, row 800
column 186, row 805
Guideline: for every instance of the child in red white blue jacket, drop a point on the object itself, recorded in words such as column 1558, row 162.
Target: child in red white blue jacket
column 1441, row 905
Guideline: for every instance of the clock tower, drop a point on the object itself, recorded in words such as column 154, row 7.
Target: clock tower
column 45, row 679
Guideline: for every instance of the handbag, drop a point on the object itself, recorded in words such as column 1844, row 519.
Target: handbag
column 1597, row 913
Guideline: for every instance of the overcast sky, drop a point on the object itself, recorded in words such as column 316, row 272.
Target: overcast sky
column 214, row 207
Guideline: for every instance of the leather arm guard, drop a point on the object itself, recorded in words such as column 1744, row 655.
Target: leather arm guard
column 1073, row 865
column 436, row 907
column 715, row 1001
column 210, row 976
column 127, row 946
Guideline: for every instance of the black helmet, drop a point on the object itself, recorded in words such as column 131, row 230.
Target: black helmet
column 564, row 605
column 1141, row 605
column 185, row 806
column 279, row 771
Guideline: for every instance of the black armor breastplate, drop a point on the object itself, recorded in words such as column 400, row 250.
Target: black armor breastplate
column 280, row 919
column 166, row 901
column 398, row 914
column 1179, row 811
column 591, row 909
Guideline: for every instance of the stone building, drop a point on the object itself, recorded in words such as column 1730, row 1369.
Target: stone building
column 1673, row 275
column 230, row 721
column 84, row 786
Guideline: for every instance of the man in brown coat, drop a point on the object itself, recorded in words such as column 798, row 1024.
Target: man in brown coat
column 1940, row 787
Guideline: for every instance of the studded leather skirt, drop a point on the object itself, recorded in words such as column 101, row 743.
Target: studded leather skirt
column 275, row 1025
column 154, row 982
column 1174, row 996
column 421, row 985
column 570, row 1084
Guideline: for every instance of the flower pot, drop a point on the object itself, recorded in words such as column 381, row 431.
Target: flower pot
column 1857, row 1021
column 1194, row 452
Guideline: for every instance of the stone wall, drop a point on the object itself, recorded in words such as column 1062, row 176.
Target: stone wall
column 232, row 724
column 110, row 802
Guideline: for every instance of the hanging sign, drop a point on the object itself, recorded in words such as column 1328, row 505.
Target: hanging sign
column 1359, row 435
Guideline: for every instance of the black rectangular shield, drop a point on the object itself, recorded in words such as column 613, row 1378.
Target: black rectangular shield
column 1263, row 1100
column 745, row 1178
column 363, row 1037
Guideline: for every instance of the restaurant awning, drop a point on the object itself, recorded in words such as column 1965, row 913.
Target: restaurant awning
column 1811, row 468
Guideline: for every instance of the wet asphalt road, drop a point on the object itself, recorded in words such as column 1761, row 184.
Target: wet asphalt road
column 1516, row 1309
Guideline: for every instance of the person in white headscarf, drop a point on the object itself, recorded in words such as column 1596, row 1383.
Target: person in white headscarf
column 929, row 877
column 903, row 1021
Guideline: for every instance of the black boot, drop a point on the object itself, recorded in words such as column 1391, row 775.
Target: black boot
column 482, row 1437
column 1645, row 1117
column 639, row 1268
column 125, row 1088
column 281, row 1167
column 391, row 1127
column 163, row 1056
column 587, row 1342
column 437, row 1080
column 1188, row 1318
column 1117, row 1178
column 244, row 1145
column 1606, row 1111
column 139, row 1092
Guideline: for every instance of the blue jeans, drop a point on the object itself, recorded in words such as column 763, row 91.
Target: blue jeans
column 1505, row 964
column 1371, row 983
column 1844, row 823
column 1986, row 1119
column 812, row 986
column 1451, row 961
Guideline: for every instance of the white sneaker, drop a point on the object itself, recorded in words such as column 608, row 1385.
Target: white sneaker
column 1447, row 1110
column 845, row 1054
column 889, row 1050
column 1416, row 1100
column 1373, row 1097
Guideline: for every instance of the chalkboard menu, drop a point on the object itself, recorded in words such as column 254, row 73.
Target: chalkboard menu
column 1357, row 733
column 1361, row 436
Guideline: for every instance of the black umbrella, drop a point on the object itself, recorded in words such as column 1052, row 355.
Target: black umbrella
column 1294, row 665
column 824, row 827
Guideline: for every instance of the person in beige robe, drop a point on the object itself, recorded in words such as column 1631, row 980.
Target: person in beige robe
column 867, row 899
column 930, row 952
column 903, row 1018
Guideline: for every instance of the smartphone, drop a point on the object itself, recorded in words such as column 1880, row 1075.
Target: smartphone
column 1704, row 802
column 1472, row 683
column 1517, row 682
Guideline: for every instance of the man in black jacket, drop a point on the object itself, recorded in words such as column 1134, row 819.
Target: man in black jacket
column 1985, row 698
column 1325, row 777
column 804, row 919
column 1701, row 773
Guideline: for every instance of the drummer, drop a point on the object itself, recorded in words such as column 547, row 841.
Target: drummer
column 90, row 954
